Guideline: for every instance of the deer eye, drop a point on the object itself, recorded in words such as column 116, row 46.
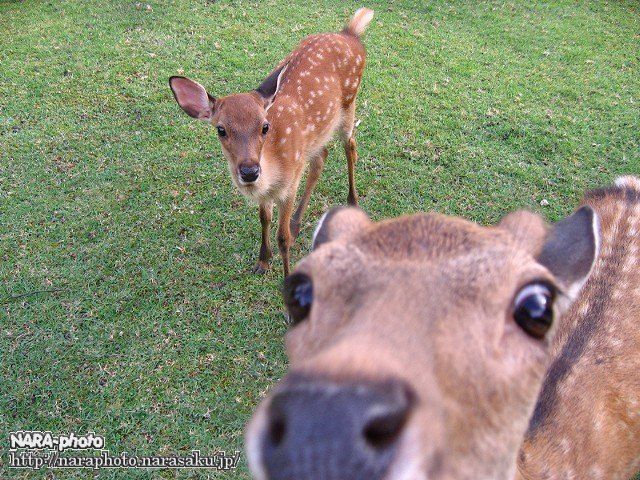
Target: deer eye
column 533, row 309
column 265, row 128
column 298, row 296
column 221, row 131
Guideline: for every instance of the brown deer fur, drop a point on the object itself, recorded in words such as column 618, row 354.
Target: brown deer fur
column 586, row 424
column 428, row 300
column 306, row 99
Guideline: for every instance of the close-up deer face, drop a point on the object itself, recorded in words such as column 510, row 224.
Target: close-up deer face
column 240, row 121
column 418, row 346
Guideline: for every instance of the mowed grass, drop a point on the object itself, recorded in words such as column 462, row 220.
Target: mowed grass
column 127, row 306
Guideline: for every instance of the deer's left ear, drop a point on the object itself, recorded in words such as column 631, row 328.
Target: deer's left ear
column 270, row 86
column 571, row 248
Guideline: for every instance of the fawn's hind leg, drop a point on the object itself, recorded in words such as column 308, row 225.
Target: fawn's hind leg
column 285, row 238
column 350, row 150
column 316, row 164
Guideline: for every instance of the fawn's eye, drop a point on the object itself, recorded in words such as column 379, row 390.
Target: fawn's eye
column 533, row 309
column 298, row 296
column 265, row 128
column 221, row 131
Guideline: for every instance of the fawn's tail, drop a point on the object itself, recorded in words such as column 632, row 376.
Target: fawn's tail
column 358, row 23
column 628, row 181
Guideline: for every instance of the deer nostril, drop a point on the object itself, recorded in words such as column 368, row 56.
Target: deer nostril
column 277, row 431
column 383, row 430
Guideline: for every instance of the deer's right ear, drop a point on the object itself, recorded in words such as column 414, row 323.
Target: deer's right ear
column 192, row 98
column 528, row 229
column 571, row 248
column 338, row 222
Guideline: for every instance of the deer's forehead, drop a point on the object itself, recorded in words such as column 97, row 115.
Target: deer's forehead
column 419, row 240
column 419, row 254
column 240, row 111
column 349, row 277
column 428, row 236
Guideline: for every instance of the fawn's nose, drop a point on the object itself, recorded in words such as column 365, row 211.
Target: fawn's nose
column 330, row 431
column 249, row 172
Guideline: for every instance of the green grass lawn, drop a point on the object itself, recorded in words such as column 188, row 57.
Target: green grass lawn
column 117, row 207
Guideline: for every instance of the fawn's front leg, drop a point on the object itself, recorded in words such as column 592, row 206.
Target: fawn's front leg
column 285, row 239
column 266, row 214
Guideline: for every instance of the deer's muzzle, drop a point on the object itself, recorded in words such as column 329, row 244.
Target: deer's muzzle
column 319, row 429
column 249, row 172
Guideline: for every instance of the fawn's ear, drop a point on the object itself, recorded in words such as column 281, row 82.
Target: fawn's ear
column 338, row 222
column 571, row 248
column 192, row 98
column 270, row 86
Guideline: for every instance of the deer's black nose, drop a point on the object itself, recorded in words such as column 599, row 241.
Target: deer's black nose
column 249, row 173
column 323, row 430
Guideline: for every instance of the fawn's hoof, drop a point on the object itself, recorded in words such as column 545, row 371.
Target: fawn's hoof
column 352, row 200
column 260, row 268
